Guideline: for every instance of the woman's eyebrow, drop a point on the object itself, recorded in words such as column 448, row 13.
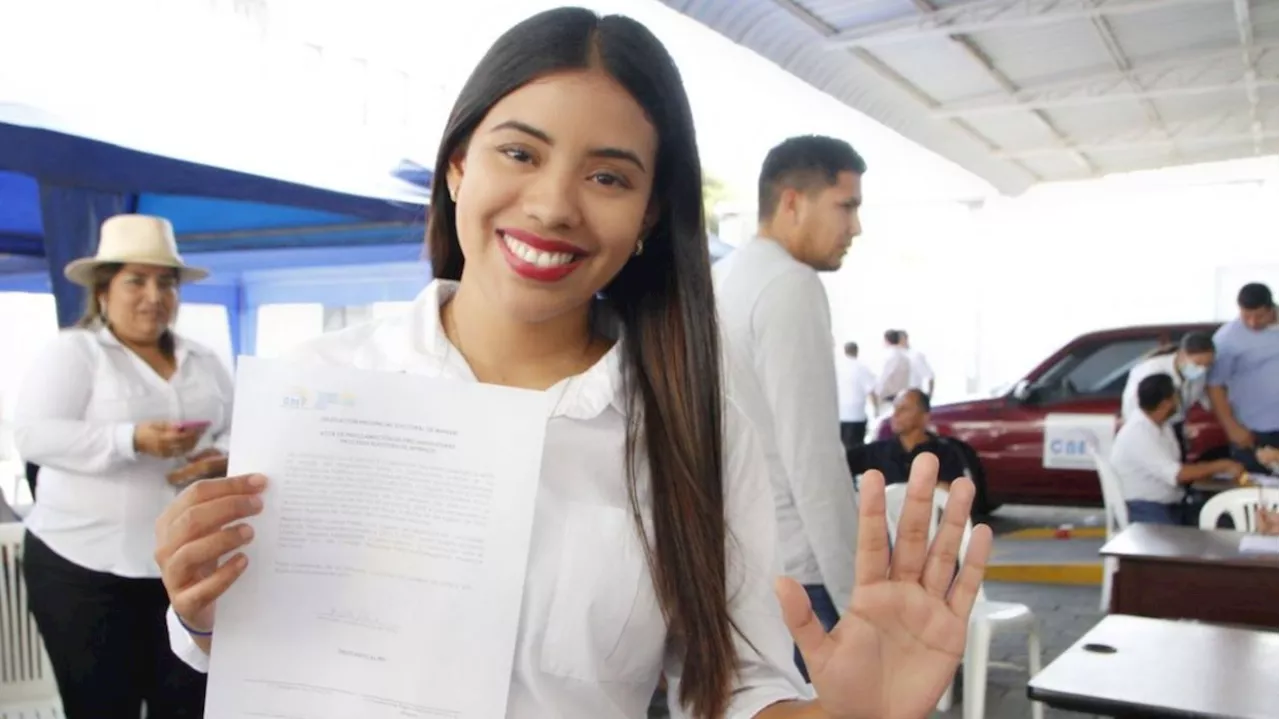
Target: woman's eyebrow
column 613, row 153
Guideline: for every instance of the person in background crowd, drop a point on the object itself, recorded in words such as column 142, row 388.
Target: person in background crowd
column 775, row 311
column 1244, row 383
column 896, row 375
column 856, row 386
column 893, row 457
column 576, row 129
column 1188, row 364
column 1268, row 457
column 117, row 413
column 1148, row 460
column 921, row 371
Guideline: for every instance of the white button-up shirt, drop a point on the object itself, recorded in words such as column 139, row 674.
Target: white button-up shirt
column 854, row 382
column 921, row 371
column 776, row 317
column 896, row 375
column 592, row 641
column 1146, row 458
column 98, row 499
column 1189, row 392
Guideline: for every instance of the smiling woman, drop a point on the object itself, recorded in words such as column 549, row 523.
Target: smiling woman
column 571, row 257
column 116, row 412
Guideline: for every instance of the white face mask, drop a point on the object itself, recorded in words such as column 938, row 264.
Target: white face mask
column 1191, row 371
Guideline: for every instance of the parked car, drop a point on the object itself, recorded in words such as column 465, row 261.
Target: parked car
column 1003, row 437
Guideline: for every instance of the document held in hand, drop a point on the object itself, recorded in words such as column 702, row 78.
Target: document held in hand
column 386, row 571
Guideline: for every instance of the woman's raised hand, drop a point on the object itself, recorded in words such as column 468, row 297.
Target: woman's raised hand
column 193, row 534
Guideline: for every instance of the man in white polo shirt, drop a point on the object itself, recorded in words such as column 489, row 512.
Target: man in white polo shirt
column 776, row 317
column 1147, row 458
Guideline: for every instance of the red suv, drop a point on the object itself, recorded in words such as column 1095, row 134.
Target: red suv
column 1003, row 437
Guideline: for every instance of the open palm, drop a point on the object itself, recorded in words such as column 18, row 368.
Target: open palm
column 896, row 649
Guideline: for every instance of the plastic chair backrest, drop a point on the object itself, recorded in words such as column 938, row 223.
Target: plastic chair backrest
column 25, row 674
column 1117, row 513
column 895, row 496
column 1239, row 504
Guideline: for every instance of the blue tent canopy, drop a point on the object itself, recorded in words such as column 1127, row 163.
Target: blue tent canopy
column 57, row 184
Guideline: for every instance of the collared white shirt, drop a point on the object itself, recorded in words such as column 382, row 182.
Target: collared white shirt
column 98, row 499
column 1189, row 392
column 854, row 382
column 592, row 641
column 896, row 377
column 777, row 321
column 1146, row 457
column 921, row 373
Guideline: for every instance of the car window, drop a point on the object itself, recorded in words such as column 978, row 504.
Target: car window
column 1096, row 369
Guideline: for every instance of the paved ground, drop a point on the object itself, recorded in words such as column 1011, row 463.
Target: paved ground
column 1065, row 613
column 1014, row 517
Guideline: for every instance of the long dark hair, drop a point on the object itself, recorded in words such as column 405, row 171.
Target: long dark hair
column 665, row 301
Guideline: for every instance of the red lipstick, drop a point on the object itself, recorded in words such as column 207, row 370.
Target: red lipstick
column 531, row 270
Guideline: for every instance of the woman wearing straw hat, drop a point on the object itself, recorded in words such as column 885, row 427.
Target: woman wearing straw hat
column 118, row 412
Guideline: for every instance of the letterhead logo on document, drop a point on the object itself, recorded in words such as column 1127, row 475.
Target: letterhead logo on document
column 302, row 398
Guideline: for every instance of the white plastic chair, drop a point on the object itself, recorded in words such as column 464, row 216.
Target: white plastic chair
column 1239, row 504
column 27, row 686
column 988, row 617
column 1117, row 517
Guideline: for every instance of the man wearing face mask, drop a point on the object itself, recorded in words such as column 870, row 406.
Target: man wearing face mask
column 1148, row 460
column 1243, row 385
column 1188, row 364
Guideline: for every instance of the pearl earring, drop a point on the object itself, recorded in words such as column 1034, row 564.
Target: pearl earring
column 639, row 247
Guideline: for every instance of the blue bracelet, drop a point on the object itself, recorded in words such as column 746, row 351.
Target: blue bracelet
column 191, row 630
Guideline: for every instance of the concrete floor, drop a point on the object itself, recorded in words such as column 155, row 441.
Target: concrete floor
column 1065, row 614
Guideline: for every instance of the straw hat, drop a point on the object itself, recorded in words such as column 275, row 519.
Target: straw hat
column 134, row 239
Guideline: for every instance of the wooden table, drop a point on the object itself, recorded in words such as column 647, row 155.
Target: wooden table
column 1172, row 572
column 1127, row 666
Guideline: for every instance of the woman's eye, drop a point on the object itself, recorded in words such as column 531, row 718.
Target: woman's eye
column 608, row 179
column 517, row 154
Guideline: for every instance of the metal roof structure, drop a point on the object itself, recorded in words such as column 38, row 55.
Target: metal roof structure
column 1021, row 92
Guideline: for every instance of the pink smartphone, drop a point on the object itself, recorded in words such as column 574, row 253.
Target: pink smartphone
column 194, row 425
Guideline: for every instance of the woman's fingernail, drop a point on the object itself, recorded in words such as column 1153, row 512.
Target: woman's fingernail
column 257, row 481
column 245, row 532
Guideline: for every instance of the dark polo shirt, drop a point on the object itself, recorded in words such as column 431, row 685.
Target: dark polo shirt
column 891, row 459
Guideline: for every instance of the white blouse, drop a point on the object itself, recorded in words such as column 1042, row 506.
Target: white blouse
column 97, row 499
column 592, row 641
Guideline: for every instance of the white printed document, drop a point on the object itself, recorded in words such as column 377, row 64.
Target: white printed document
column 387, row 570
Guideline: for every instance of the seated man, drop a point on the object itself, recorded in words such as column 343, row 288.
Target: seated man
column 1147, row 458
column 893, row 457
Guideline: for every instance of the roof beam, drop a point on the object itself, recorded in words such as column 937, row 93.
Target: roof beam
column 1098, row 148
column 970, row 48
column 1244, row 28
column 982, row 15
column 1147, row 79
column 1124, row 65
column 1214, row 131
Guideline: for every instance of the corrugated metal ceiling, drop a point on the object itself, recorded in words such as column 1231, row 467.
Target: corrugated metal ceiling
column 1028, row 91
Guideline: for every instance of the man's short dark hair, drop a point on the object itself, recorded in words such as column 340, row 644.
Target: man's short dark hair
column 922, row 397
column 1255, row 296
column 1154, row 390
column 851, row 349
column 1194, row 343
column 893, row 337
column 805, row 164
